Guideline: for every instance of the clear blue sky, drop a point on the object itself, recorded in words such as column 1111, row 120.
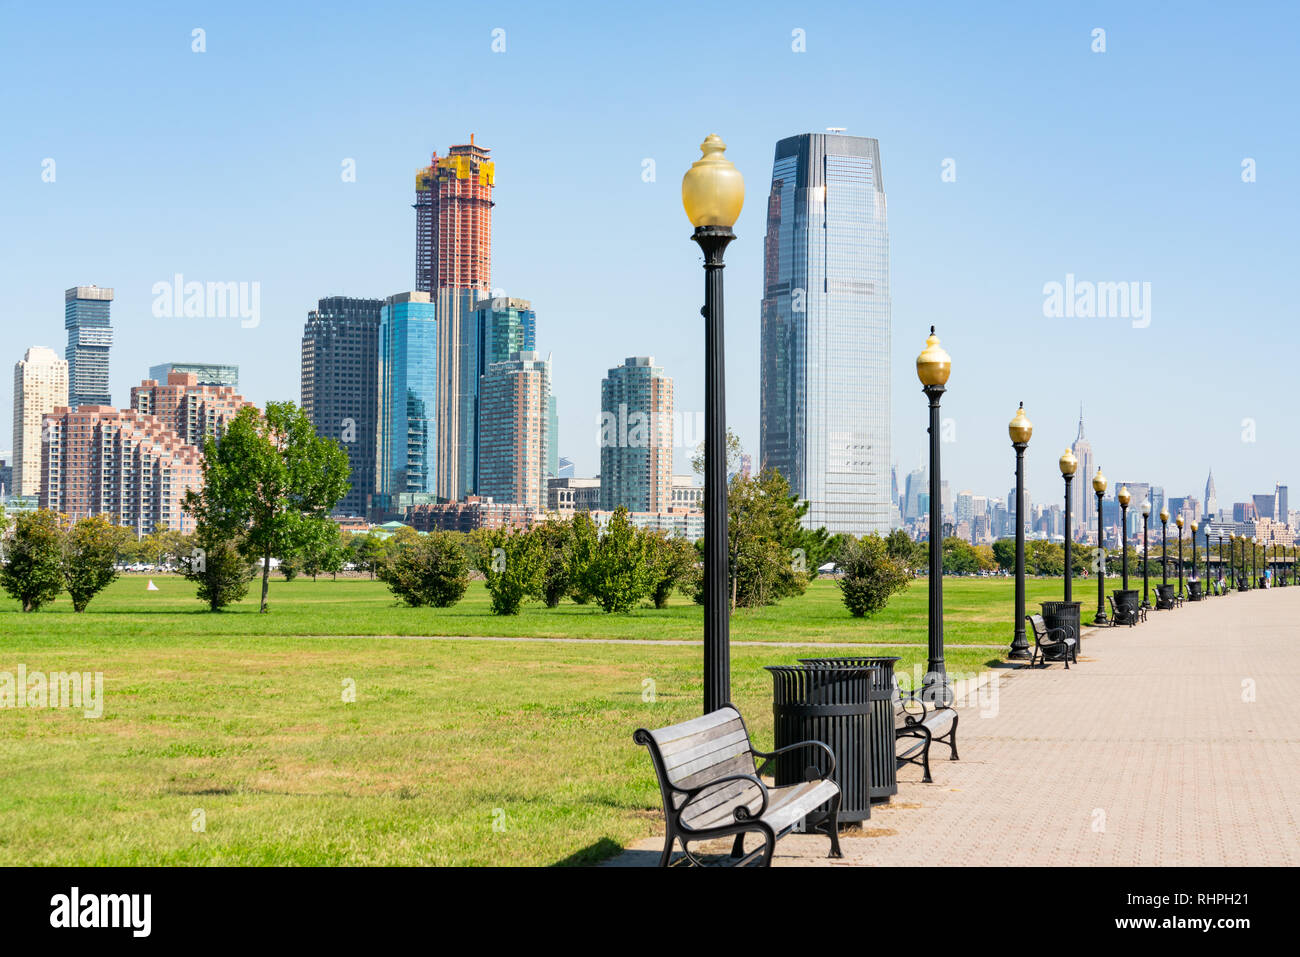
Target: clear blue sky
column 1115, row 166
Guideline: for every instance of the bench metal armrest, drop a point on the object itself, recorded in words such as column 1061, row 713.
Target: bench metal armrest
column 741, row 813
column 1046, row 636
column 767, row 757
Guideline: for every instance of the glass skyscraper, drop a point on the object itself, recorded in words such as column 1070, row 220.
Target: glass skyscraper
column 408, row 397
column 826, row 331
column 90, row 336
column 503, row 326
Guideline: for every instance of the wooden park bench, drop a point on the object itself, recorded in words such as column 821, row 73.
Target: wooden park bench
column 918, row 724
column 711, row 787
column 1057, row 641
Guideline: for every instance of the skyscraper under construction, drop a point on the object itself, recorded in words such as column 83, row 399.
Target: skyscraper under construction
column 453, row 263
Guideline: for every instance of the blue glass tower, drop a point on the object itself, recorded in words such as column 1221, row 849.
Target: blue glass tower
column 826, row 330
column 90, row 336
column 408, row 397
column 502, row 327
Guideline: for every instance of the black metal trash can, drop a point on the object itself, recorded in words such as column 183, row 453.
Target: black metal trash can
column 831, row 705
column 884, row 768
column 1063, row 614
column 1193, row 589
column 1126, row 600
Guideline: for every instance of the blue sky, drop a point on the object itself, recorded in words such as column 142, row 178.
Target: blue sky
column 1117, row 166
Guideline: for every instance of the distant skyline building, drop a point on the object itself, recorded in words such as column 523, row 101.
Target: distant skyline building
column 1084, row 506
column 1211, row 497
column 206, row 373
column 636, row 437
column 86, row 316
column 340, row 387
column 194, row 412
column 409, row 341
column 453, row 265
column 503, row 326
column 40, row 386
column 515, row 430
column 825, row 364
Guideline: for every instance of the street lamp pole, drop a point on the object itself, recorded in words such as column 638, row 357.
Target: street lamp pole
column 1124, row 498
column 1099, row 486
column 1068, row 464
column 1020, row 430
column 1194, row 566
column 1179, row 522
column 713, row 192
column 933, row 367
column 1164, row 545
column 1146, row 558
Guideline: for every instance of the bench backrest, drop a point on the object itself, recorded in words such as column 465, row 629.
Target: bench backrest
column 1039, row 626
column 695, row 752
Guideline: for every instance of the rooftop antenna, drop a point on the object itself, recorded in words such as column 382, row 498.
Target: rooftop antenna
column 836, row 129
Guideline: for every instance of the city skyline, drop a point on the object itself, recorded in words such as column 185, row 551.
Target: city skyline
column 970, row 254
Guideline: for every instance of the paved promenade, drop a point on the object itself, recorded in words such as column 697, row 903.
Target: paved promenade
column 1175, row 742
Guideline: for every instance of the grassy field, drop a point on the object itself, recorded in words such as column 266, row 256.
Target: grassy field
column 452, row 753
column 977, row 610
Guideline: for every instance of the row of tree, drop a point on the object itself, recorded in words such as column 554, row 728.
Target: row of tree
column 42, row 556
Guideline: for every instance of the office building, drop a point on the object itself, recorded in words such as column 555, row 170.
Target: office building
column 1264, row 504
column 686, row 492
column 514, row 427
column 567, row 495
column 636, row 437
column 503, row 326
column 473, row 512
column 205, row 373
column 1211, row 496
column 826, row 331
column 40, row 386
column 90, row 337
column 340, row 387
column 408, row 378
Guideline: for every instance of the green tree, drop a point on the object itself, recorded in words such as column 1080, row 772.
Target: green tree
column 511, row 561
column 619, row 573
column 219, row 569
column 32, row 569
column 555, row 540
column 869, row 576
column 585, row 537
column 1004, row 551
column 270, row 484
column 327, row 557
column 672, row 562
column 959, row 557
column 899, row 546
column 90, row 550
column 434, row 570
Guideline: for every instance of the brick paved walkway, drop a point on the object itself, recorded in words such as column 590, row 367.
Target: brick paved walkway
column 1176, row 742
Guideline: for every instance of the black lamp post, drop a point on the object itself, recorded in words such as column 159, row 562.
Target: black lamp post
column 933, row 367
column 1020, row 430
column 1164, row 545
column 1195, row 574
column 1254, row 569
column 1068, row 464
column 1146, row 559
column 1179, row 522
column 713, row 192
column 1124, row 498
column 1099, row 487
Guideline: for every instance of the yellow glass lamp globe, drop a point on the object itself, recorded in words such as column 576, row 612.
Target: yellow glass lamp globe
column 713, row 191
column 1164, row 515
column 1020, row 427
column 1099, row 481
column 1124, row 496
column 1179, row 521
column 933, row 365
column 1068, row 463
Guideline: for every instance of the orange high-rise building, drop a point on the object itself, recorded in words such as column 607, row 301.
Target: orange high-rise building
column 453, row 220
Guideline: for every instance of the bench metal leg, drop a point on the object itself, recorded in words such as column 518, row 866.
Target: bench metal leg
column 738, row 846
column 667, row 855
column 952, row 737
column 832, row 826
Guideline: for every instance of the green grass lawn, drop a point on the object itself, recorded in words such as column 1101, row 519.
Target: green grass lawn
column 976, row 610
column 453, row 752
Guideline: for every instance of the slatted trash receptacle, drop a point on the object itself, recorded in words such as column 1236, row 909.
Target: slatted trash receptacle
column 1126, row 600
column 1063, row 614
column 884, row 769
column 831, row 705
column 1193, row 589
